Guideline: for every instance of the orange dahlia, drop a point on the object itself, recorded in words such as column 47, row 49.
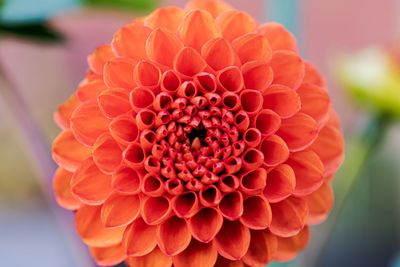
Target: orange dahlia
column 198, row 138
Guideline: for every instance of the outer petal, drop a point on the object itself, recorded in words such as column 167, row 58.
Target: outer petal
column 279, row 38
column 118, row 73
column 233, row 23
column 222, row 262
column 63, row 114
column 283, row 100
column 68, row 152
column 165, row 17
column 218, row 53
column 312, row 75
column 88, row 90
column 99, row 57
column 288, row 217
column 156, row 258
column 288, row 248
column 189, row 62
column 107, row 154
column 173, row 236
column 319, row 204
column 162, row 46
column 156, row 210
column 257, row 213
column 215, row 7
column 252, row 46
column 196, row 255
column 262, row 248
column 90, row 185
column 62, row 189
column 92, row 231
column 126, row 181
column 315, row 102
column 257, row 75
column 281, row 183
column 233, row 240
column 119, row 210
column 288, row 68
column 139, row 238
column 206, row 224
column 114, row 102
column 108, row 256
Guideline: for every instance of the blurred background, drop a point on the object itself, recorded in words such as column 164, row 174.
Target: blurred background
column 43, row 49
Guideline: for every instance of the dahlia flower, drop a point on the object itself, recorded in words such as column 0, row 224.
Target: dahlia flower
column 197, row 138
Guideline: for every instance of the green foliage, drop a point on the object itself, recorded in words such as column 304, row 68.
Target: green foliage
column 37, row 30
column 136, row 5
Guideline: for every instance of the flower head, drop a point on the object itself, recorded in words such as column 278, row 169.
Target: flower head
column 198, row 138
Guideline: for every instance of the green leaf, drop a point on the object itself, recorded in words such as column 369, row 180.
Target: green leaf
column 37, row 30
column 136, row 5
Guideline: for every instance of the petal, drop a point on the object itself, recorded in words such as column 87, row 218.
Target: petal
column 130, row 41
column 319, row 204
column 162, row 46
column 252, row 46
column 330, row 148
column 230, row 79
column 222, row 262
column 275, row 151
column 114, row 102
column 210, row 196
column 124, row 129
column 185, row 205
column 196, row 255
column 257, row 75
column 299, row 131
column 62, row 190
column 267, row 121
column 233, row 240
column 165, row 17
column 156, row 258
column 92, row 231
column 206, row 224
column 315, row 102
column 257, row 213
column 252, row 159
column 120, row 210
column 139, row 238
column 283, row 100
column 126, row 181
column 156, row 210
column 252, row 137
column 233, row 23
column 231, row 205
column 107, row 154
column 251, row 101
column 308, row 169
column 118, row 73
column 312, row 75
column 99, row 57
column 288, row 217
column 134, row 156
column 218, row 53
column 281, row 183
column 253, row 181
column 108, row 256
column 173, row 236
column 90, row 89
column 189, row 62
column 262, row 248
column 288, row 68
column 64, row 112
column 68, row 152
column 147, row 74
column 88, row 123
column 279, row 38
column 90, row 185
column 215, row 7
column 289, row 248
column 196, row 28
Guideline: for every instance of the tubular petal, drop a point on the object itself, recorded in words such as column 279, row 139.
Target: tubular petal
column 108, row 256
column 242, row 121
column 231, row 205
column 268, row 122
column 252, row 137
column 126, row 181
column 141, row 97
column 147, row 141
column 134, row 156
column 210, row 196
column 106, row 154
column 196, row 28
column 257, row 213
column 173, row 236
column 114, row 102
column 120, row 210
column 124, row 130
column 162, row 46
column 308, row 169
column 230, row 79
column 222, row 262
column 130, row 41
column 187, row 90
column 165, row 17
column 262, row 248
column 92, row 231
column 289, row 248
column 206, row 82
column 118, row 73
column 206, row 224
column 288, row 68
column 253, row 181
column 299, row 131
column 64, row 112
column 319, row 204
column 152, row 185
column 288, row 217
column 233, row 23
column 99, row 57
column 88, row 123
column 279, row 38
column 215, row 7
column 281, row 183
column 189, row 62
column 315, row 102
column 90, row 89
column 68, row 152
column 251, row 101
column 252, row 159
column 228, row 183
column 147, row 74
column 252, row 46
column 275, row 151
column 233, row 240
column 139, row 238
column 196, row 255
column 156, row 258
column 329, row 146
column 257, row 75
column 90, row 185
column 312, row 75
column 163, row 101
column 62, row 189
column 145, row 119
column 218, row 53
column 156, row 210
column 283, row 100
column 185, row 205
